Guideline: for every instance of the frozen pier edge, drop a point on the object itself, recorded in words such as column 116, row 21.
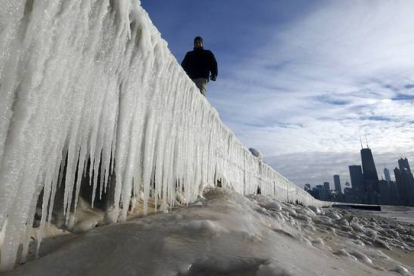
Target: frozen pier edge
column 89, row 89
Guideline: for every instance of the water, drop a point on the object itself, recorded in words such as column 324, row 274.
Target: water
column 399, row 213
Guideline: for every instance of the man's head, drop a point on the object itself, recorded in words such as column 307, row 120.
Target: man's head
column 198, row 42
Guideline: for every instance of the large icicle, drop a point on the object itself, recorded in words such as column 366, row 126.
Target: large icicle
column 91, row 85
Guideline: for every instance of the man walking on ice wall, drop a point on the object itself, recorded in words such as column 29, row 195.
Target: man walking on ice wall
column 200, row 65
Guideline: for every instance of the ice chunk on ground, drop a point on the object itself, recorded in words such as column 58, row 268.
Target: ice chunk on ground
column 343, row 252
column 333, row 215
column 357, row 227
column 401, row 270
column 315, row 209
column 274, row 205
column 272, row 270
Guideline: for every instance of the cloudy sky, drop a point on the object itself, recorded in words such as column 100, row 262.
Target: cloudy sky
column 302, row 80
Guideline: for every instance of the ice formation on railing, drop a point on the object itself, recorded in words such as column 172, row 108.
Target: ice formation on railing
column 89, row 88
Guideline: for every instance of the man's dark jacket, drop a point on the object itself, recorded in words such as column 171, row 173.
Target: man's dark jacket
column 199, row 63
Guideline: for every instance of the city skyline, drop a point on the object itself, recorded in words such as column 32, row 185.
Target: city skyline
column 366, row 186
column 345, row 177
column 325, row 170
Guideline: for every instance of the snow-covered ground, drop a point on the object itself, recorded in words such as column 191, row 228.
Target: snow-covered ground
column 228, row 234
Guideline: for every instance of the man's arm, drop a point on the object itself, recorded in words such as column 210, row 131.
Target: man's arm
column 213, row 67
column 184, row 63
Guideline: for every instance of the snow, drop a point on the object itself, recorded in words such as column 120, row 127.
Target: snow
column 89, row 90
column 228, row 234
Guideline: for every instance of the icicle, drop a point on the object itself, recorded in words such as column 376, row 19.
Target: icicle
column 26, row 243
column 148, row 158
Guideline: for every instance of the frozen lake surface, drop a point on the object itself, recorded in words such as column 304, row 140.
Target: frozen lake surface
column 400, row 213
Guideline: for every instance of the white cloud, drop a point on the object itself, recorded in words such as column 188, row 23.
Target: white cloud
column 318, row 84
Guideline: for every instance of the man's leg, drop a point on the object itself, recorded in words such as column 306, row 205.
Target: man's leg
column 201, row 83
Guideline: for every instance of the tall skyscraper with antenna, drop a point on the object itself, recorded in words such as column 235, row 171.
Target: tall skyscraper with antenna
column 371, row 181
column 369, row 171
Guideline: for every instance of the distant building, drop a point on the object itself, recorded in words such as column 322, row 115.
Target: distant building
column 357, row 179
column 350, row 196
column 315, row 192
column 369, row 172
column 384, row 198
column 337, row 182
column 325, row 191
column 405, row 182
column 322, row 191
column 387, row 175
column 403, row 164
column 318, row 192
column 397, row 175
column 394, row 195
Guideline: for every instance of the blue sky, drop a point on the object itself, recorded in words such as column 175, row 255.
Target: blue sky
column 301, row 81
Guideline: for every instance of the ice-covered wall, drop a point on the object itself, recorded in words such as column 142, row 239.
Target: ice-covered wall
column 92, row 79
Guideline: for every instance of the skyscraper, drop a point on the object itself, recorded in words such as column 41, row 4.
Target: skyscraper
column 385, row 192
column 369, row 171
column 357, row 179
column 394, row 195
column 402, row 186
column 403, row 164
column 325, row 192
column 337, row 182
column 397, row 175
column 387, row 175
column 405, row 182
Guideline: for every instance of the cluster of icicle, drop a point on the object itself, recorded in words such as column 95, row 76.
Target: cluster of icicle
column 92, row 79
